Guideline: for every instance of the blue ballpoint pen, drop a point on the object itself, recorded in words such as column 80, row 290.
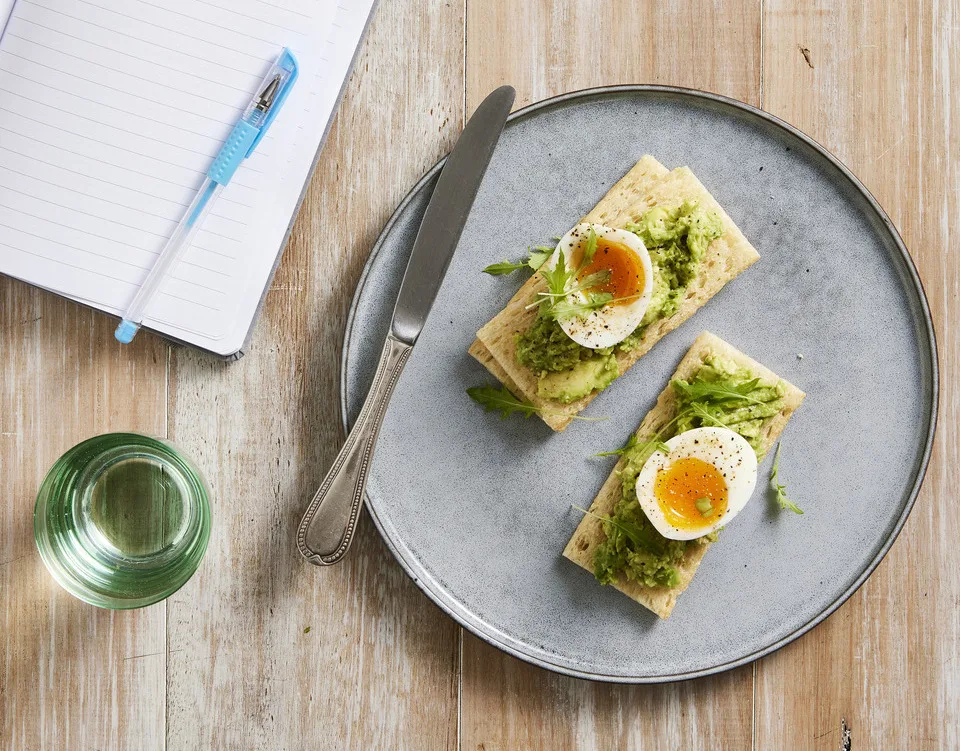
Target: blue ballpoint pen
column 243, row 139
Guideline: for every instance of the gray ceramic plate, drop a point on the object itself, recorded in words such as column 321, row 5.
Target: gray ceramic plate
column 477, row 509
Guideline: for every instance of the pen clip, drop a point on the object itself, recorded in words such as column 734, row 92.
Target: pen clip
column 288, row 69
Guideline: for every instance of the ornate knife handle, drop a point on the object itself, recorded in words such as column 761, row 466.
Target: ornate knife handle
column 327, row 528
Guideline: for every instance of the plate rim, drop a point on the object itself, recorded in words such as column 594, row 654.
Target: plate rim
column 928, row 328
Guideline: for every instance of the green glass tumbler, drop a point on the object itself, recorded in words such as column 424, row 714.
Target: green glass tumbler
column 122, row 520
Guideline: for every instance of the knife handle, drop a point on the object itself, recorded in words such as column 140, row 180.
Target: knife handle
column 327, row 528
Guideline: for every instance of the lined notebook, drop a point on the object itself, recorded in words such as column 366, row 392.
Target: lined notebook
column 111, row 111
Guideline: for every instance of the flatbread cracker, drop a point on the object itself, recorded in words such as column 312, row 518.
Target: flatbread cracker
column 625, row 192
column 589, row 533
column 647, row 185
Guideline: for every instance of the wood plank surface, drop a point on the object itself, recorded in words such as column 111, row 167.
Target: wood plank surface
column 71, row 675
column 378, row 666
column 875, row 82
column 260, row 650
column 568, row 45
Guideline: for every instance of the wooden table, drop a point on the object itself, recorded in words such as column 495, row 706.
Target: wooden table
column 259, row 650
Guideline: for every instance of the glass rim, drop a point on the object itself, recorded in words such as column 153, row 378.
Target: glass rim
column 143, row 580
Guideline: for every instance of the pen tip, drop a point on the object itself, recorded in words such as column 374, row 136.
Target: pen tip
column 269, row 93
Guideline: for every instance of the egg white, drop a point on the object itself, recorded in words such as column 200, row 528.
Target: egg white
column 726, row 450
column 610, row 324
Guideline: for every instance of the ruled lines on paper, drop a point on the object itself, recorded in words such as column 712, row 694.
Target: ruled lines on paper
column 110, row 113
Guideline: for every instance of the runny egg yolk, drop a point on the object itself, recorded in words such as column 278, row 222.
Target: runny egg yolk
column 683, row 483
column 626, row 271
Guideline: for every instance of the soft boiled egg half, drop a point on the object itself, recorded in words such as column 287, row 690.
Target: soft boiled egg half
column 708, row 476
column 630, row 283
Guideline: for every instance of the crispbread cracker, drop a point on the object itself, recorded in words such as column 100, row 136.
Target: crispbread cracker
column 482, row 354
column 497, row 336
column 647, row 185
column 590, row 532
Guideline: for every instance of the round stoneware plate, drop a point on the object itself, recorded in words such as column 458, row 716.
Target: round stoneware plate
column 477, row 509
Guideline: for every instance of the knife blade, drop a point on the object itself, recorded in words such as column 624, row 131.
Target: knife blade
column 327, row 527
column 447, row 212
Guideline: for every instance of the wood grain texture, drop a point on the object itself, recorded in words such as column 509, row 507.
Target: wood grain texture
column 227, row 663
column 569, row 45
column 875, row 82
column 547, row 47
column 71, row 675
column 378, row 666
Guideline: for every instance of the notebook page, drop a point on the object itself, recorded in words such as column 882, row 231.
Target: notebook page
column 6, row 6
column 110, row 113
column 336, row 56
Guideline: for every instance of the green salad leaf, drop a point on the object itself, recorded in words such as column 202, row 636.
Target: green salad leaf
column 557, row 279
column 639, row 536
column 564, row 310
column 704, row 414
column 536, row 257
column 631, row 442
column 633, row 445
column 719, row 392
column 781, row 490
column 504, row 267
column 562, row 283
column 501, row 400
column 590, row 248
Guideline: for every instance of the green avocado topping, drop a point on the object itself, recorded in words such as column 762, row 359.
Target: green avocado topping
column 574, row 383
column 677, row 240
column 720, row 394
column 546, row 348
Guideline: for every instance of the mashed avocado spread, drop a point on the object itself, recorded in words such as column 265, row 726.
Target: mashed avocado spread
column 633, row 547
column 567, row 370
column 677, row 240
column 589, row 374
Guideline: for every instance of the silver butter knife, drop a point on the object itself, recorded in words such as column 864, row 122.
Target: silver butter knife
column 327, row 528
